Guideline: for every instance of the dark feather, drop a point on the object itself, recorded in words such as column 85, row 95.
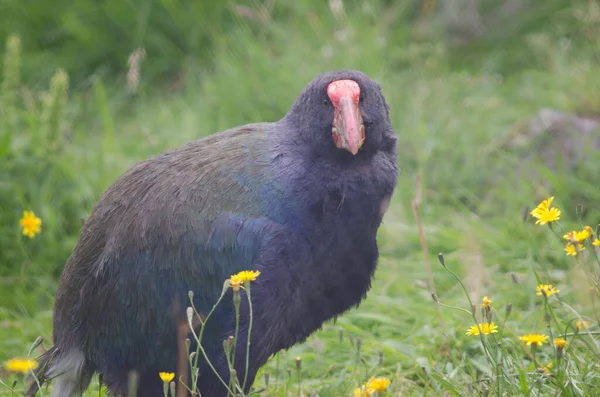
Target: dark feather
column 276, row 197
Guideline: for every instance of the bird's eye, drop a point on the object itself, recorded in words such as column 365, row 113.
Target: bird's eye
column 361, row 98
column 326, row 102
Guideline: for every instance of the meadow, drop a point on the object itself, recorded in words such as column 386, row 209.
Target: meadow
column 459, row 227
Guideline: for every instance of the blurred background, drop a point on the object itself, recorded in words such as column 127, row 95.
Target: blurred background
column 496, row 104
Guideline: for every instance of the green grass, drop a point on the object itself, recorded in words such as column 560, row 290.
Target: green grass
column 452, row 124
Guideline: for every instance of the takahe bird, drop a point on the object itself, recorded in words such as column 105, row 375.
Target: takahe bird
column 299, row 200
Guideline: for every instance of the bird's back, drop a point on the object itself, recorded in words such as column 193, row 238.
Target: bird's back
column 162, row 229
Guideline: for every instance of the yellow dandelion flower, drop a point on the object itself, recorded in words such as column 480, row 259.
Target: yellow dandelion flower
column 534, row 339
column 544, row 213
column 546, row 369
column 572, row 251
column 486, row 329
column 596, row 242
column 166, row 377
column 560, row 343
column 579, row 325
column 373, row 385
column 235, row 284
column 579, row 236
column 21, row 365
column 571, row 236
column 552, row 215
column 546, row 289
column 377, row 384
column 543, row 206
column 31, row 224
column 486, row 302
column 245, row 276
column 362, row 392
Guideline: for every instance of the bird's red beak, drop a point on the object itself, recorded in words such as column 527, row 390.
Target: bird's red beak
column 348, row 130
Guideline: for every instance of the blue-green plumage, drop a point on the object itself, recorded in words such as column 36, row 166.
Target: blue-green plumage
column 276, row 197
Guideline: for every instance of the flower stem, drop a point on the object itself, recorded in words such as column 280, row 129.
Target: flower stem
column 236, row 304
column 198, row 339
column 249, row 334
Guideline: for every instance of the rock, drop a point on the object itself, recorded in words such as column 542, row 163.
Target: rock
column 555, row 138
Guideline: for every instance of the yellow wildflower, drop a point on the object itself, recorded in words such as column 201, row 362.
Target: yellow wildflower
column 486, row 302
column 362, row 392
column 579, row 325
column 596, row 242
column 21, row 365
column 373, row 385
column 235, row 284
column 377, row 384
column 534, row 339
column 571, row 236
column 245, row 276
column 166, row 377
column 572, row 251
column 546, row 289
column 579, row 236
column 560, row 343
column 544, row 213
column 31, row 224
column 546, row 369
column 486, row 329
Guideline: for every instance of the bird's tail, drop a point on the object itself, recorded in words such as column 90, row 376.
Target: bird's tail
column 65, row 368
column 38, row 378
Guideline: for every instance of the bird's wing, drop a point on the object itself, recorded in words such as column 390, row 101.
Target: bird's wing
column 184, row 220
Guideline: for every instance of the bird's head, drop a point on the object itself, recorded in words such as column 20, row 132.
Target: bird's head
column 343, row 112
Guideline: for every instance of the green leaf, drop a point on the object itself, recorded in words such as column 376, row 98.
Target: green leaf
column 447, row 385
column 523, row 381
